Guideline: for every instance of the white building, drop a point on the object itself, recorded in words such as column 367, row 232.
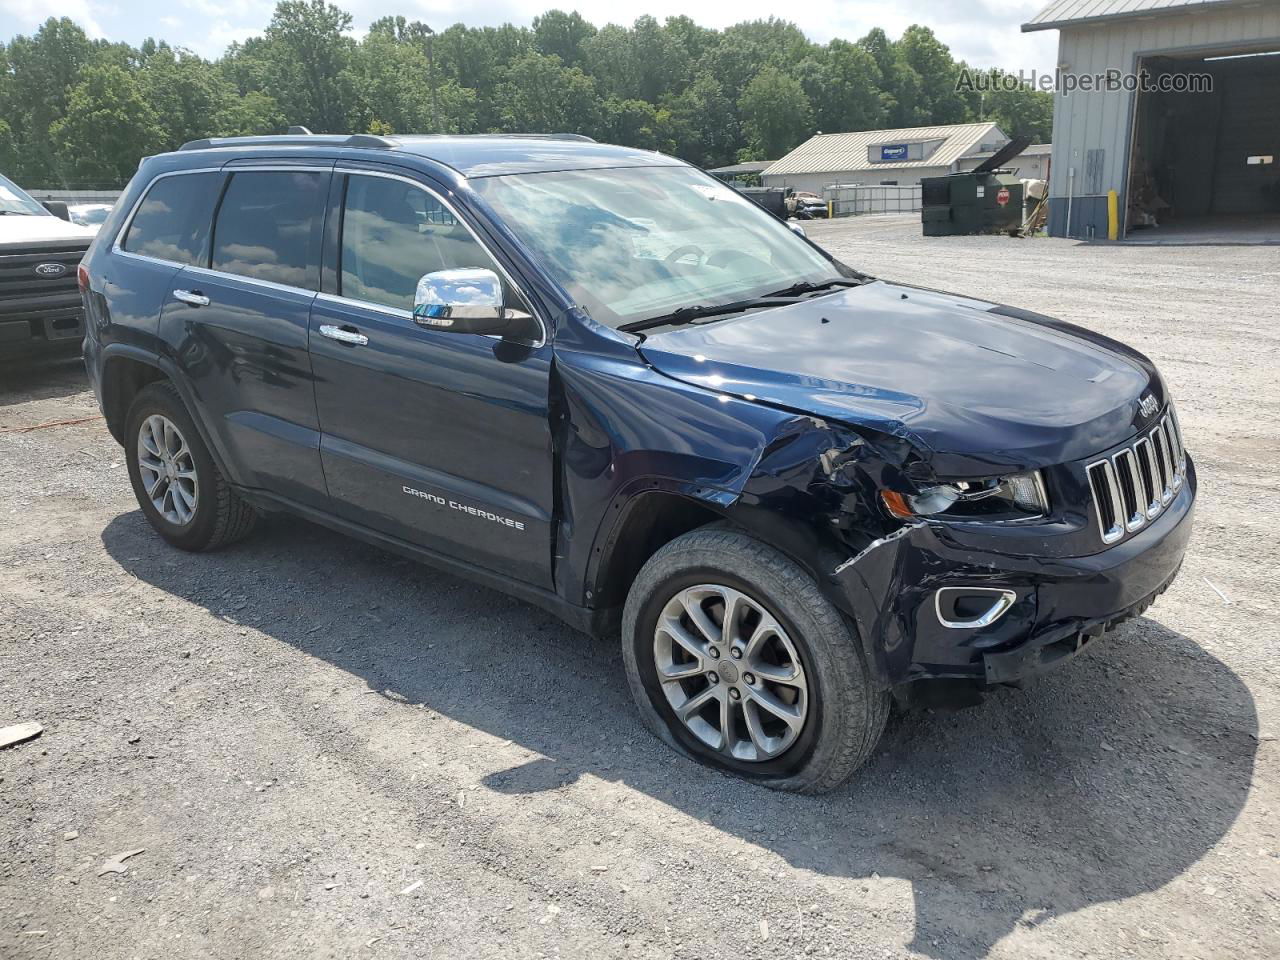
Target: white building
column 1199, row 165
column 872, row 157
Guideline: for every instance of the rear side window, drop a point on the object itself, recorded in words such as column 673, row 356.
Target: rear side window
column 172, row 222
column 269, row 227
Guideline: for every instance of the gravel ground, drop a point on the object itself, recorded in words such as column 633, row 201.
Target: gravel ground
column 323, row 750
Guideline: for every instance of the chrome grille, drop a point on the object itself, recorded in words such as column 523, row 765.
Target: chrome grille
column 1133, row 486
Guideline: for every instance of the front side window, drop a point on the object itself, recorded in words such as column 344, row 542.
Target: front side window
column 269, row 227
column 172, row 222
column 633, row 243
column 393, row 233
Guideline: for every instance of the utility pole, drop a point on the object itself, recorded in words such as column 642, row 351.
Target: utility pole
column 431, row 78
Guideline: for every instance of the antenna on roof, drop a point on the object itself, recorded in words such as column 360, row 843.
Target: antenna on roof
column 297, row 130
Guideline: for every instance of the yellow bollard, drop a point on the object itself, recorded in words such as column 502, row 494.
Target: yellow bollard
column 1113, row 215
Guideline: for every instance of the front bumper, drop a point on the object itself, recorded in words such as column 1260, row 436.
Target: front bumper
column 40, row 325
column 1057, row 604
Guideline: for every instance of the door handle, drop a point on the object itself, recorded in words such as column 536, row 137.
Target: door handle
column 343, row 336
column 193, row 297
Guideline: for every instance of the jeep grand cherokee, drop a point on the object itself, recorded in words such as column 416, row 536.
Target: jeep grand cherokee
column 600, row 380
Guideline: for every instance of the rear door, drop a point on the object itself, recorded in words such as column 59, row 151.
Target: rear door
column 167, row 230
column 440, row 439
column 240, row 326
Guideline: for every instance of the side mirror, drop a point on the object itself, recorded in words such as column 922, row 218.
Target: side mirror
column 58, row 208
column 797, row 229
column 469, row 301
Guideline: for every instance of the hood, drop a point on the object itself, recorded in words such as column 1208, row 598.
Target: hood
column 976, row 387
column 38, row 229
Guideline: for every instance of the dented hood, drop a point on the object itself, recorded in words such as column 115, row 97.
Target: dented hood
column 975, row 386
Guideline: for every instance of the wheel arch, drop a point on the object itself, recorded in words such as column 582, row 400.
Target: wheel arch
column 643, row 523
column 638, row 527
column 126, row 370
column 124, row 374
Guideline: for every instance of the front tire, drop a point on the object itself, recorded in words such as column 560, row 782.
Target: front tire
column 780, row 695
column 180, row 489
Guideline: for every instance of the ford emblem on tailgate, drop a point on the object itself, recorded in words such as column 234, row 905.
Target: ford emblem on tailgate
column 1148, row 405
column 50, row 269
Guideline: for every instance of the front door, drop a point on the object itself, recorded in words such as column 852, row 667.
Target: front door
column 439, row 439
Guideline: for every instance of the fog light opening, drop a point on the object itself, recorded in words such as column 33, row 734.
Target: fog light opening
column 968, row 608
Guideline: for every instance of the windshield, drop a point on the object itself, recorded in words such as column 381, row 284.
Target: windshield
column 13, row 200
column 635, row 243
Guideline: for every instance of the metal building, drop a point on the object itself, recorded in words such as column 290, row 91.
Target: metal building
column 1186, row 164
column 873, row 157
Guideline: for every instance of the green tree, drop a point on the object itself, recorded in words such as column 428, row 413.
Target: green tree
column 703, row 123
column 842, row 83
column 1019, row 112
column 186, row 93
column 930, row 60
column 560, row 34
column 108, row 126
column 306, row 57
column 41, row 71
column 541, row 96
column 252, row 115
column 776, row 114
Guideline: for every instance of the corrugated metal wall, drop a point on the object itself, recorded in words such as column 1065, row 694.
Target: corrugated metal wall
column 1100, row 121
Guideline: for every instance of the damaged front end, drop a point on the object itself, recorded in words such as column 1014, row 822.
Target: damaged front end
column 951, row 605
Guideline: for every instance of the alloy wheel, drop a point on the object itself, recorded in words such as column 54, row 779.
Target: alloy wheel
column 167, row 470
column 731, row 674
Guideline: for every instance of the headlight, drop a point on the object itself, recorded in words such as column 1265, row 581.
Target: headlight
column 1017, row 497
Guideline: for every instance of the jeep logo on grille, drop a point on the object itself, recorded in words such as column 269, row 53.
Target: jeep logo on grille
column 50, row 270
column 1148, row 406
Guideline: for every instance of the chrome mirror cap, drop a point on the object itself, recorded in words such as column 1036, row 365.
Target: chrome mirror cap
column 447, row 296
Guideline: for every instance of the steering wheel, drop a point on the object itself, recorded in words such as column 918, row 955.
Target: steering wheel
column 679, row 253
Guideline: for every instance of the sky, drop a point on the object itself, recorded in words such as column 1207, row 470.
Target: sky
column 983, row 32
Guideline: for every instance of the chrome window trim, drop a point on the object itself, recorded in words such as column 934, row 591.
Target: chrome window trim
column 366, row 305
column 117, row 249
column 255, row 281
column 444, row 202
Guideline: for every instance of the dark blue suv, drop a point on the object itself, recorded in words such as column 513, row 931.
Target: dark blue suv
column 604, row 382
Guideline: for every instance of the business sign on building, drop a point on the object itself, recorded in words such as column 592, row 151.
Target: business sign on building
column 909, row 152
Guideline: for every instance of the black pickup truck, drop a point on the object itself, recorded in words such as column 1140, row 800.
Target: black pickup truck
column 40, row 308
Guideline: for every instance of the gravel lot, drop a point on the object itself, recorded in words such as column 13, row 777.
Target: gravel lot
column 323, row 750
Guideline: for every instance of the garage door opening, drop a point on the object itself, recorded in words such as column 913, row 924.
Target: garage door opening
column 1205, row 166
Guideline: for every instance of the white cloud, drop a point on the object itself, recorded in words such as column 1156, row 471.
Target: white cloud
column 24, row 16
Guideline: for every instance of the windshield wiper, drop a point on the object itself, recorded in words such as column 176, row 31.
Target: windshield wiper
column 808, row 286
column 690, row 314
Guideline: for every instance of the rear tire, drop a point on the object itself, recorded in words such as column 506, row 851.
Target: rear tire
column 180, row 489
column 812, row 728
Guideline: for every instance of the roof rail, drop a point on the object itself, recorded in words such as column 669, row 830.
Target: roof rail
column 549, row 136
column 336, row 140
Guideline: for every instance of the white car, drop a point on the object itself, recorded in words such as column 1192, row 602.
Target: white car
column 91, row 215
